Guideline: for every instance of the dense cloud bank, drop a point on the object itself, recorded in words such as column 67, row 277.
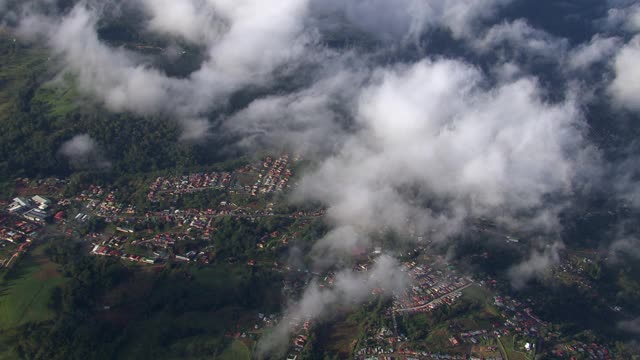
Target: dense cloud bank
column 412, row 143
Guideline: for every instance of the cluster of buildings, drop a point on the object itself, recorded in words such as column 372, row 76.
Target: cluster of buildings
column 33, row 209
column 474, row 337
column 431, row 289
column 17, row 235
column 274, row 176
column 16, row 230
column 269, row 176
column 299, row 340
column 24, row 217
column 105, row 250
column 195, row 223
column 102, row 203
column 171, row 226
column 519, row 319
column 414, row 354
column 380, row 342
column 177, row 185
column 163, row 246
column 159, row 247
column 573, row 270
column 109, row 209
column 380, row 352
column 174, row 225
column 92, row 192
column 160, row 241
column 267, row 239
column 582, row 350
column 438, row 284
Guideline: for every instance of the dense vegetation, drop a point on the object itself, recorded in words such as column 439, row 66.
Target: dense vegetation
column 106, row 311
column 39, row 111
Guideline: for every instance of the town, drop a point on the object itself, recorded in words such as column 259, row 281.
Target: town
column 153, row 235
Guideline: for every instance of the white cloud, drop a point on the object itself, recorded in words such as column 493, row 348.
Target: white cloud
column 262, row 36
column 349, row 288
column 633, row 21
column 194, row 20
column 625, row 245
column 247, row 42
column 111, row 74
column 408, row 19
column 624, row 17
column 79, row 145
column 631, row 326
column 521, row 37
column 308, row 120
column 436, row 129
column 625, row 87
column 83, row 152
column 534, row 267
column 599, row 49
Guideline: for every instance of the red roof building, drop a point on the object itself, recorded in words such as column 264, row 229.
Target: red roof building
column 59, row 216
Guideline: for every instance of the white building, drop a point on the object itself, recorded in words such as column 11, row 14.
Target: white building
column 19, row 205
column 43, row 203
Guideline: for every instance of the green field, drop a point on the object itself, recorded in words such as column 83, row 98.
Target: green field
column 236, row 351
column 24, row 294
column 508, row 344
column 438, row 340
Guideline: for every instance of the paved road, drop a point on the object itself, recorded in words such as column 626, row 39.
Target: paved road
column 15, row 255
column 434, row 300
column 502, row 350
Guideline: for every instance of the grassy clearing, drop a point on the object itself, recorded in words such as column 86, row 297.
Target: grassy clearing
column 24, row 296
column 508, row 344
column 489, row 313
column 486, row 351
column 478, row 293
column 438, row 340
column 340, row 337
column 192, row 335
column 8, row 355
column 59, row 97
column 200, row 328
column 19, row 64
column 223, row 277
column 236, row 351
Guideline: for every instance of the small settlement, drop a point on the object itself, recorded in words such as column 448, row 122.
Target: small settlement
column 163, row 233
